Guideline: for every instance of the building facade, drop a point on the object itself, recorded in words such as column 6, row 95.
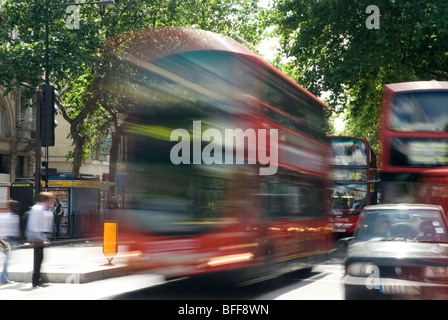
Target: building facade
column 18, row 143
column 17, row 138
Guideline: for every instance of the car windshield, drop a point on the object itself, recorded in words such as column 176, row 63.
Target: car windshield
column 402, row 224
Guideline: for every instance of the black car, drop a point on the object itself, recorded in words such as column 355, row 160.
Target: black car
column 398, row 251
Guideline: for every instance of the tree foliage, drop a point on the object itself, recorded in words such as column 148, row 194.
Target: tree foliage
column 334, row 51
column 73, row 52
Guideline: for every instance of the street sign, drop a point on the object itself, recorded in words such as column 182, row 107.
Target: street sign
column 105, row 146
column 110, row 245
column 122, row 178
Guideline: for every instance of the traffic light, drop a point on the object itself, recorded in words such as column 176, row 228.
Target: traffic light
column 47, row 112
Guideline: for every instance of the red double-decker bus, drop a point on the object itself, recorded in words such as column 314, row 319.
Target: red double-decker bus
column 414, row 137
column 354, row 175
column 201, row 202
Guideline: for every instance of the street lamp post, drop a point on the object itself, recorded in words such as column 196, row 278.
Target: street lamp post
column 46, row 93
column 37, row 166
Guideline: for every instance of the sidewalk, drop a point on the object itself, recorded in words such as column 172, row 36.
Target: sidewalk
column 70, row 261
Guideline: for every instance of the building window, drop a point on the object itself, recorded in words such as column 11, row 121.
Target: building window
column 20, row 167
column 2, row 122
column 4, row 163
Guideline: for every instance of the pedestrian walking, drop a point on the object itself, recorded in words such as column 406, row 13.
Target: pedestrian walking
column 40, row 220
column 9, row 234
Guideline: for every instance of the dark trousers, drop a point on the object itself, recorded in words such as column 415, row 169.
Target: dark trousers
column 57, row 225
column 38, row 258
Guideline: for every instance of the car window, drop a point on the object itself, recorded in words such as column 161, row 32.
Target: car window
column 400, row 224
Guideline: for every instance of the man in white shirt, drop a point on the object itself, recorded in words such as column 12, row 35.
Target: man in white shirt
column 39, row 222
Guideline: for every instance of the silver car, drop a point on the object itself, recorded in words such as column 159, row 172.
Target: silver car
column 398, row 251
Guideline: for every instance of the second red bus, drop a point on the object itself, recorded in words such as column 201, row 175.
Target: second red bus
column 354, row 176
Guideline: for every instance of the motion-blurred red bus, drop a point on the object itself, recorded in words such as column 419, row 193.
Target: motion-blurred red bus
column 354, row 175
column 195, row 205
column 414, row 137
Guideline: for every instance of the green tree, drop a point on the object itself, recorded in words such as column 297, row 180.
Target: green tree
column 73, row 52
column 331, row 49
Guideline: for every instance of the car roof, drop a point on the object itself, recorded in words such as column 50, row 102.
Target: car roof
column 402, row 206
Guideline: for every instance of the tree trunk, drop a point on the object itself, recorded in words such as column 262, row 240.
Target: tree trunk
column 78, row 139
column 77, row 152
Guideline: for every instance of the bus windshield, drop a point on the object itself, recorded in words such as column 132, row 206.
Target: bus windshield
column 348, row 152
column 348, row 198
column 420, row 111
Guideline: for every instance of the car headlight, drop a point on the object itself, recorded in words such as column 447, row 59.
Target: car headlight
column 360, row 269
column 436, row 273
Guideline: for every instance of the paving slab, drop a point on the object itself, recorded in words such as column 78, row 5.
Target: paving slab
column 66, row 263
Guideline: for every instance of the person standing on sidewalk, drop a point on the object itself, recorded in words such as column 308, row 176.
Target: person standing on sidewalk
column 10, row 234
column 39, row 222
column 58, row 213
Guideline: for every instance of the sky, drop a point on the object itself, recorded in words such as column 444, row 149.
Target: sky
column 267, row 47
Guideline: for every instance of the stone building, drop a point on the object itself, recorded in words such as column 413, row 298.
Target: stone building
column 17, row 139
column 17, row 143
